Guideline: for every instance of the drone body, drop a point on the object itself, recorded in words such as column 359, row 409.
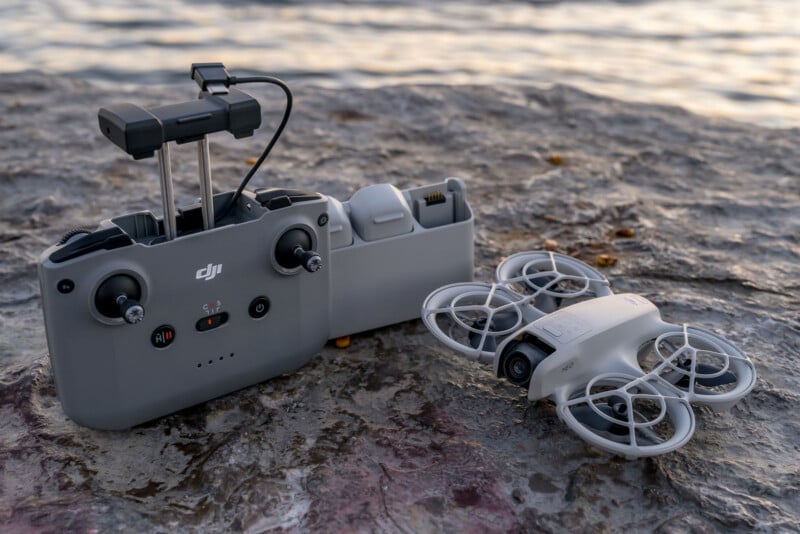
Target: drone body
column 621, row 377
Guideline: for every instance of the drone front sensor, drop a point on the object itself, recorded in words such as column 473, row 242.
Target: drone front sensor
column 621, row 377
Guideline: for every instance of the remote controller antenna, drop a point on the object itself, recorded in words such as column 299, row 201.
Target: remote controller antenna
column 206, row 191
column 167, row 195
column 142, row 132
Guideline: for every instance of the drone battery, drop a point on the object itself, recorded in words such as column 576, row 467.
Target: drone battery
column 380, row 211
column 391, row 259
column 339, row 227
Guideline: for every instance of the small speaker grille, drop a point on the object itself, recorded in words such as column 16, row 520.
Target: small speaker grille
column 212, row 360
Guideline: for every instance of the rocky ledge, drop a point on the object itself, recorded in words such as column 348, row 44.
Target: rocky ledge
column 396, row 433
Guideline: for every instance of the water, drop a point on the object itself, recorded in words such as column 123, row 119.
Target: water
column 730, row 58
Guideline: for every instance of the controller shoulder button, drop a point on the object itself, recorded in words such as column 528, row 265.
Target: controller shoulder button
column 107, row 239
column 277, row 198
column 78, row 230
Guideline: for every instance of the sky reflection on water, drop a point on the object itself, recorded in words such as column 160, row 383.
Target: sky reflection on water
column 733, row 58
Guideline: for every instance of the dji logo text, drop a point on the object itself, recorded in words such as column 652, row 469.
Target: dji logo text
column 209, row 272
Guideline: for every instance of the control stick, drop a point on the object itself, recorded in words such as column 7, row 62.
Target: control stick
column 293, row 250
column 119, row 297
column 310, row 260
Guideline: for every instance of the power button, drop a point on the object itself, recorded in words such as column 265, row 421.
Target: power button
column 258, row 307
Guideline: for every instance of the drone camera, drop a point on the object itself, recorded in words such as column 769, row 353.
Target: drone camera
column 520, row 359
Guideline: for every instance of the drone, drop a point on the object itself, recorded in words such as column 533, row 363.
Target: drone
column 620, row 376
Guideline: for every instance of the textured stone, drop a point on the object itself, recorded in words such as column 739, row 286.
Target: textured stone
column 396, row 433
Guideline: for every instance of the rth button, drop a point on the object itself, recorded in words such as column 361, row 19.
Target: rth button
column 163, row 336
column 258, row 307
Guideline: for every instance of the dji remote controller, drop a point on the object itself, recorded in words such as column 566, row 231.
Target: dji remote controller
column 147, row 315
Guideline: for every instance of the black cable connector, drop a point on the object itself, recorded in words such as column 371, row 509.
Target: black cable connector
column 211, row 77
column 278, row 131
column 214, row 78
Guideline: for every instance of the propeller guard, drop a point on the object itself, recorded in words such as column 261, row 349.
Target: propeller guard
column 453, row 312
column 694, row 344
column 464, row 304
column 521, row 272
column 672, row 421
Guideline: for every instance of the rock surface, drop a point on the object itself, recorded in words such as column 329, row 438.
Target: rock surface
column 396, row 433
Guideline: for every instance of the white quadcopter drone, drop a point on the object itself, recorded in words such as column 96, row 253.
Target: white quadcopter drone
column 621, row 377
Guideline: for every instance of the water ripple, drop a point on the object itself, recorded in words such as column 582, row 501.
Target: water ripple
column 733, row 58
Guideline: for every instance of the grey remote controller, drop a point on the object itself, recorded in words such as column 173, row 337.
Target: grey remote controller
column 145, row 315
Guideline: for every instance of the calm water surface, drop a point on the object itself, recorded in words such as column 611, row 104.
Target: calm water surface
column 734, row 58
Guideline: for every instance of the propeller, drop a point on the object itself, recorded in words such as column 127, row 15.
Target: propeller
column 501, row 321
column 545, row 286
column 629, row 415
column 473, row 318
column 682, row 352
column 706, row 374
column 615, row 408
column 549, row 279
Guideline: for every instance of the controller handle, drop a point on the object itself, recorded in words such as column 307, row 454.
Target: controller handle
column 118, row 296
column 293, row 250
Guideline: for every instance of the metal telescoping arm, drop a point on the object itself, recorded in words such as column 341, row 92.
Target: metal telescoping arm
column 167, row 197
column 206, row 191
